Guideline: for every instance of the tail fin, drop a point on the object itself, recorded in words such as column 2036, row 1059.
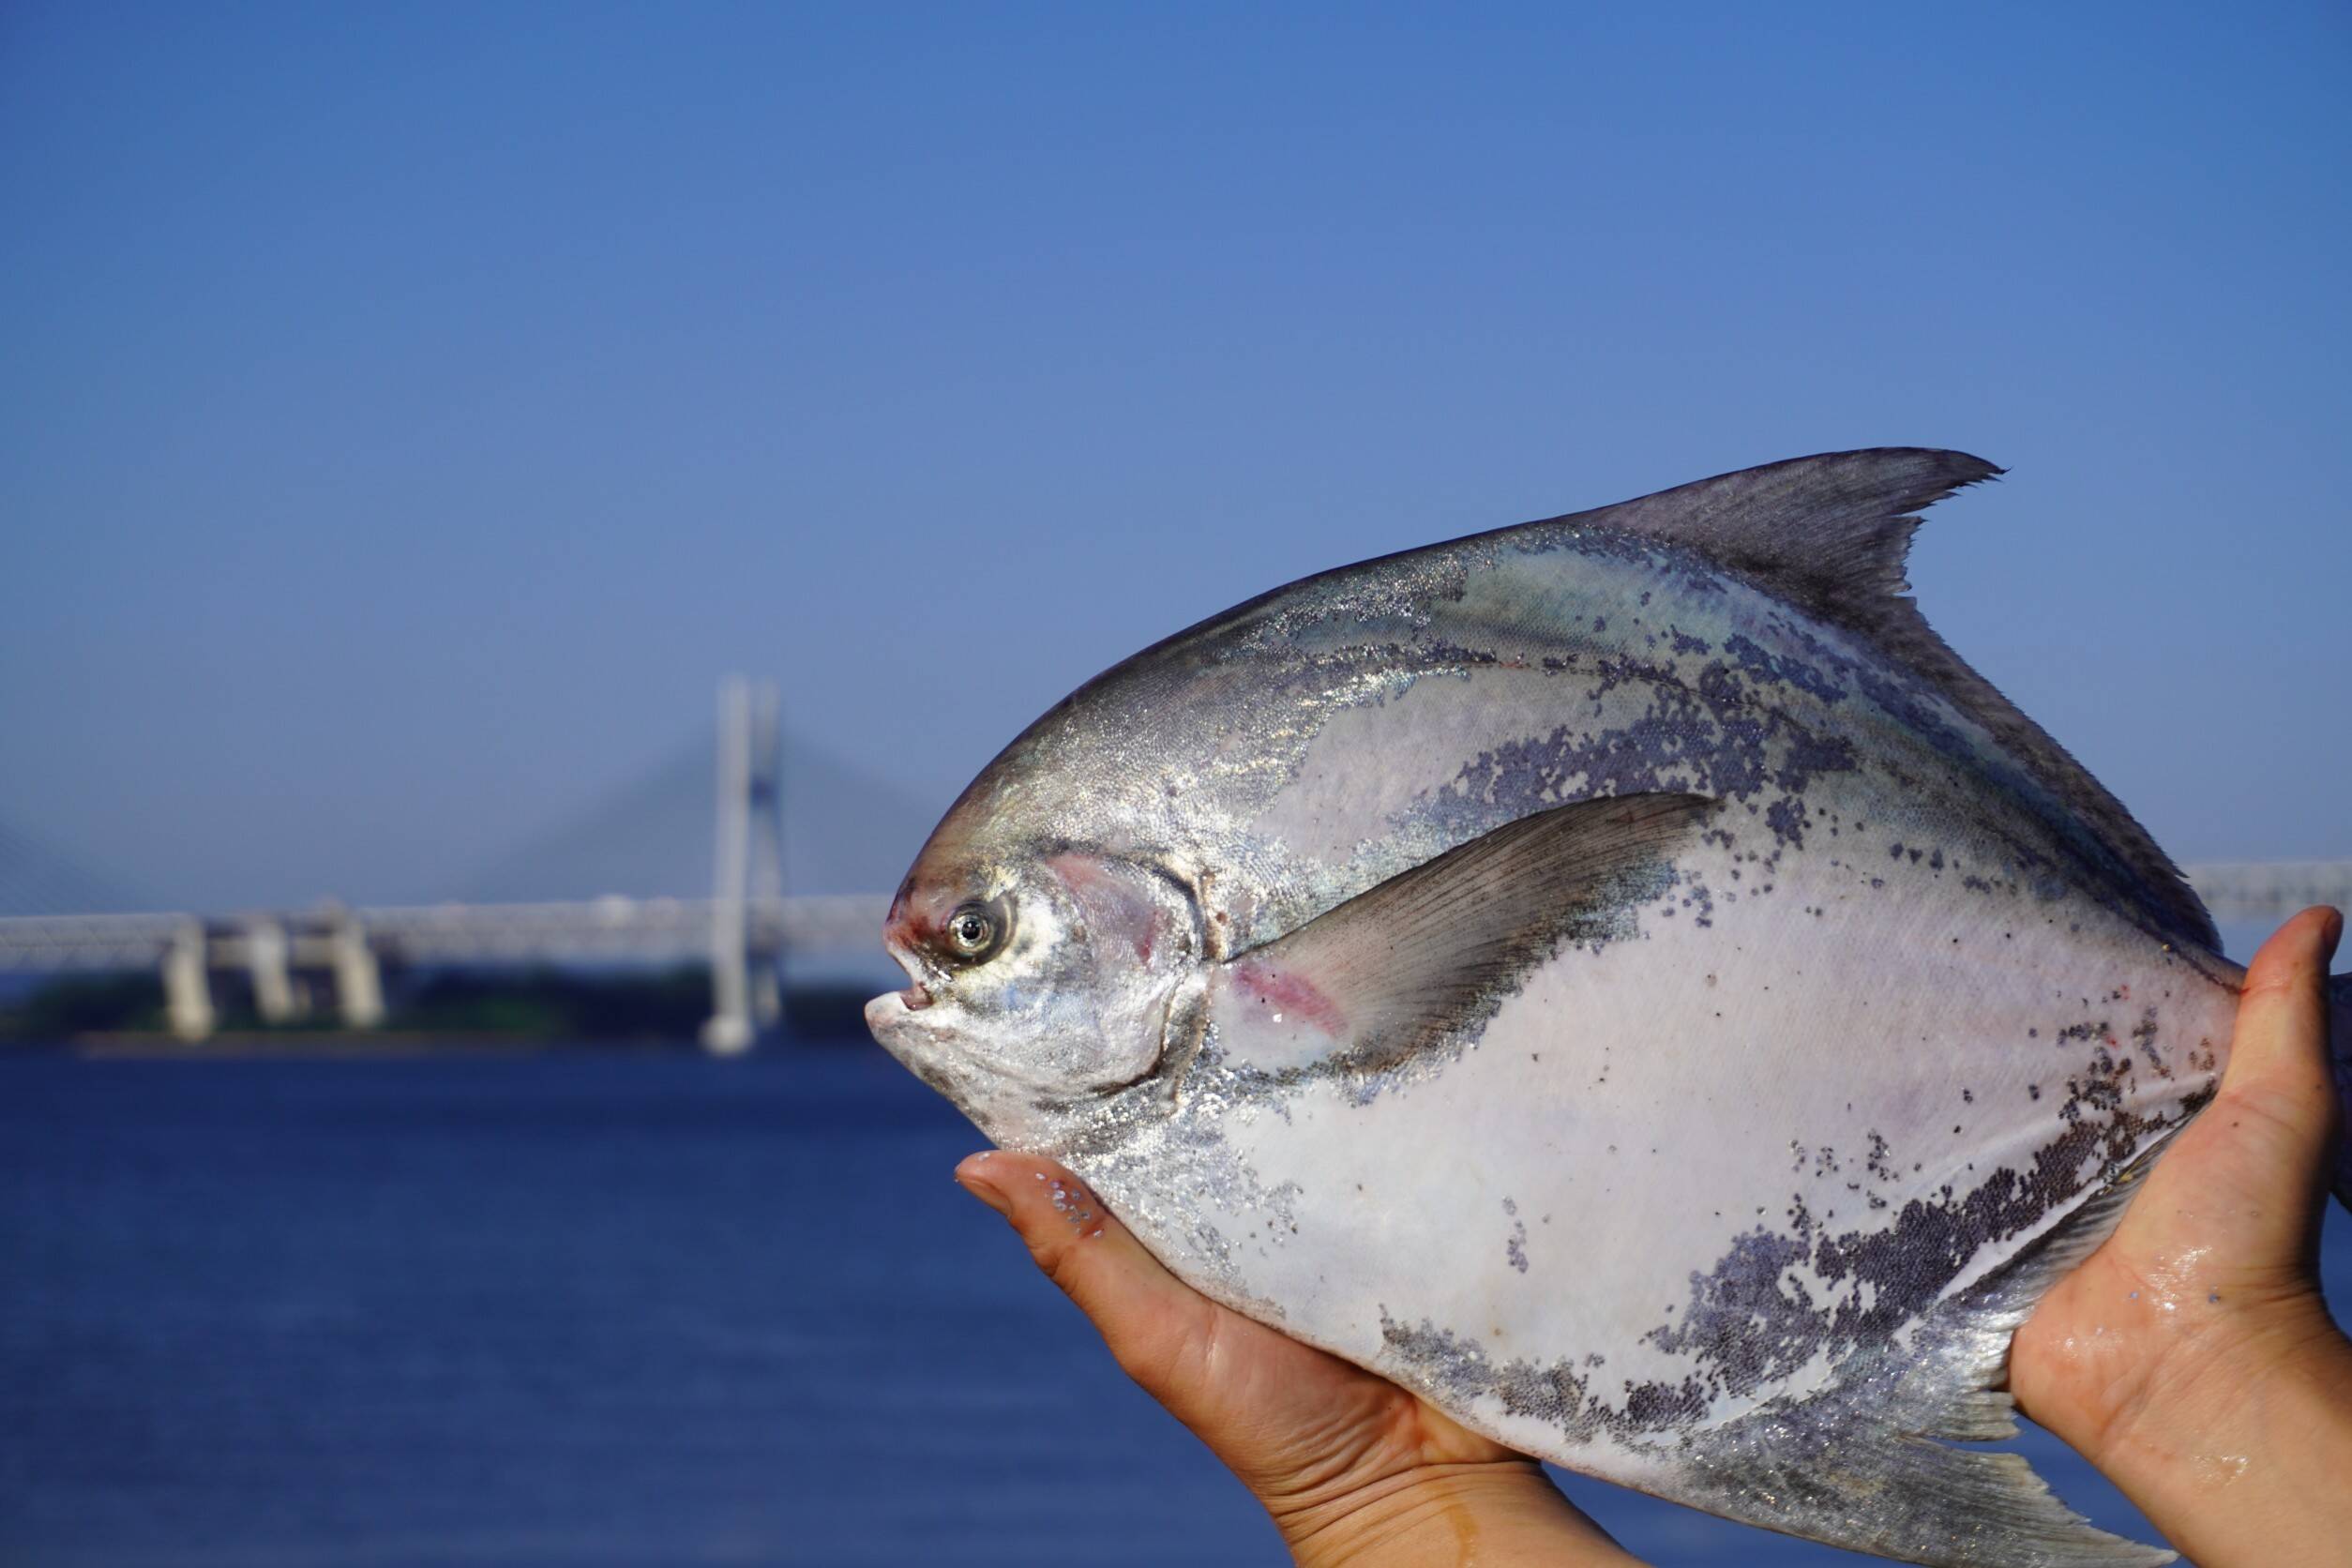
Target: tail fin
column 2339, row 1052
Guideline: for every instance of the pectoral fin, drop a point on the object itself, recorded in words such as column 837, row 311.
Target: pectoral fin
column 1425, row 958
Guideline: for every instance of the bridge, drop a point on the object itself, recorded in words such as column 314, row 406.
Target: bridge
column 744, row 929
column 2268, row 891
column 744, row 942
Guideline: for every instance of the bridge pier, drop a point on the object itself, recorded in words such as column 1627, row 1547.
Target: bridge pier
column 358, row 981
column 187, row 984
column 767, row 994
column 267, row 959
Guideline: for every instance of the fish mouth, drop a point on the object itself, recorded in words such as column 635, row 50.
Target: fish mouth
column 884, row 1014
column 879, row 1012
column 914, row 999
column 890, row 1019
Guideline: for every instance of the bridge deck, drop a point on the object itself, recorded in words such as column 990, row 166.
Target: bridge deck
column 600, row 930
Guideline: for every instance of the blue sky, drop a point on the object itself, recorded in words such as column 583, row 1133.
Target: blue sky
column 409, row 413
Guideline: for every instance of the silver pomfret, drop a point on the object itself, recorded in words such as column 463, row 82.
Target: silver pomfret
column 1621, row 977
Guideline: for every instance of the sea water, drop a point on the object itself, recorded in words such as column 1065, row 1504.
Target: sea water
column 586, row 1308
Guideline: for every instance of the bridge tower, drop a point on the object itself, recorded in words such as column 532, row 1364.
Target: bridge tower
column 748, row 866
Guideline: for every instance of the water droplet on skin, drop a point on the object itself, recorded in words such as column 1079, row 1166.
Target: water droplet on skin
column 2219, row 1470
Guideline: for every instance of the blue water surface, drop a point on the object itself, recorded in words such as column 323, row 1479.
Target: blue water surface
column 593, row 1308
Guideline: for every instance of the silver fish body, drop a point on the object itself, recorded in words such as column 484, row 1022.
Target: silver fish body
column 1620, row 977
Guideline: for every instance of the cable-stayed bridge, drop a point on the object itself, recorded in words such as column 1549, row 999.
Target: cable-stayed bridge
column 724, row 902
column 704, row 844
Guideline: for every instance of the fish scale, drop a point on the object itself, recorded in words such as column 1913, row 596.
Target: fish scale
column 1620, row 978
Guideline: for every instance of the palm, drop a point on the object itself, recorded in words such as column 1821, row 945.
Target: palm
column 1290, row 1420
column 2196, row 1252
column 1294, row 1422
column 2218, row 1247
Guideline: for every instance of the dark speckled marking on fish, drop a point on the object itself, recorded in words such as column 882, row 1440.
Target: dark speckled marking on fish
column 1715, row 735
column 1748, row 1325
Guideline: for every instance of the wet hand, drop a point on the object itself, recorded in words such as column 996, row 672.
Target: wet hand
column 1353, row 1468
column 2192, row 1357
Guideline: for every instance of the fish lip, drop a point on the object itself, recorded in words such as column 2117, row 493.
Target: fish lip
column 916, row 996
column 879, row 1012
column 890, row 1019
column 884, row 1014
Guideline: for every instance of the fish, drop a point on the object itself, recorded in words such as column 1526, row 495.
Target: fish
column 1621, row 977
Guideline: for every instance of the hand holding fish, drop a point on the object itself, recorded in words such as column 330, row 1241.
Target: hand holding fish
column 1353, row 1468
column 1624, row 981
column 2192, row 1357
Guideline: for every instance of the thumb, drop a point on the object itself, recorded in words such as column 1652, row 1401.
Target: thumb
column 2278, row 1074
column 2259, row 1152
column 1147, row 1316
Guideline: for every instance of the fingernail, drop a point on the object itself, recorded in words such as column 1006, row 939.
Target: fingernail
column 2331, row 932
column 985, row 1190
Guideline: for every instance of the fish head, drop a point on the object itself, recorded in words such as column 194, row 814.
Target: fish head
column 1044, row 980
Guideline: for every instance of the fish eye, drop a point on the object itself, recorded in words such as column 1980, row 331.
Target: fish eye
column 971, row 932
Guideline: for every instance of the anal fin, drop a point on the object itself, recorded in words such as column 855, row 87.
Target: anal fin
column 1866, row 1463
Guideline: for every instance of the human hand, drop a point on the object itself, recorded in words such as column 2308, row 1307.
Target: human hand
column 2192, row 1357
column 1353, row 1468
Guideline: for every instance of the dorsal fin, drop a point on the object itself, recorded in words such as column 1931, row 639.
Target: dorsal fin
column 1828, row 534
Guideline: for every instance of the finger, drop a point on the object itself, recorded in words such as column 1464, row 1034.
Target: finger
column 1146, row 1315
column 2278, row 1069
